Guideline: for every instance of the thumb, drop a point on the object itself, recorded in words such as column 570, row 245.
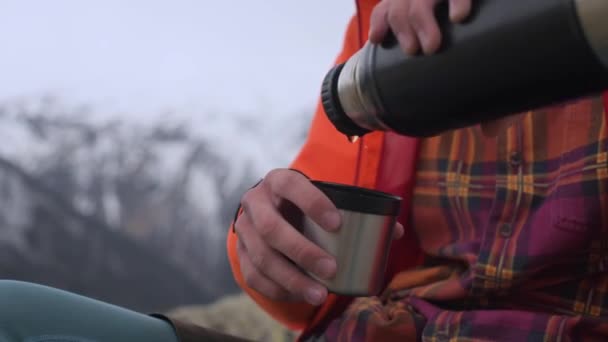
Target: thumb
column 459, row 10
column 398, row 231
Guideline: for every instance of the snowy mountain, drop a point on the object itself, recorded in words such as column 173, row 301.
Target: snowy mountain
column 134, row 213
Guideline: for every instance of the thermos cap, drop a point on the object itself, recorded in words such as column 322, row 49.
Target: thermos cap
column 333, row 109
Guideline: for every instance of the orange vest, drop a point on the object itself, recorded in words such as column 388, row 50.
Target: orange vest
column 327, row 155
column 383, row 161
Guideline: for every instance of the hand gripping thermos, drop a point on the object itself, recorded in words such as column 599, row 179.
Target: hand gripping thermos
column 510, row 56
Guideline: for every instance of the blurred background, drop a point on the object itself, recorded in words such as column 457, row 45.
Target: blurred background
column 131, row 129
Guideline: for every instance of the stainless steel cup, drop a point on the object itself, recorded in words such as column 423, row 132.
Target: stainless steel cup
column 361, row 246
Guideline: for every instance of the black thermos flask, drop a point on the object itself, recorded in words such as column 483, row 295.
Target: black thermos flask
column 508, row 57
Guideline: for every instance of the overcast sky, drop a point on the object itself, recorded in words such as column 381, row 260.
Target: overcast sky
column 149, row 55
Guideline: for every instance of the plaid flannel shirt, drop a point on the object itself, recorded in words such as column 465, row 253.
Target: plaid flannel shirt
column 515, row 230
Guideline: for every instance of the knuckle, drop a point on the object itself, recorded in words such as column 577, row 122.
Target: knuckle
column 240, row 249
column 419, row 14
column 272, row 177
column 293, row 283
column 251, row 277
column 399, row 9
column 276, row 293
column 375, row 12
column 238, row 224
column 395, row 18
column 273, row 174
column 246, row 198
column 318, row 203
column 282, row 182
column 267, row 228
column 378, row 12
column 259, row 259
column 413, row 15
column 300, row 253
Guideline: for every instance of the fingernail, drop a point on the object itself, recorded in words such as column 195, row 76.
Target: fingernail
column 410, row 47
column 331, row 220
column 408, row 44
column 325, row 268
column 314, row 295
column 398, row 235
column 457, row 14
column 423, row 40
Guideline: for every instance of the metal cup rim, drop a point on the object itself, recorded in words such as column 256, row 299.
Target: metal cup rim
column 360, row 199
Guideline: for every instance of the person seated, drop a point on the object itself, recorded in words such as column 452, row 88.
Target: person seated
column 504, row 231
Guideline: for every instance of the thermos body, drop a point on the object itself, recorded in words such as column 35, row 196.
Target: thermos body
column 510, row 56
